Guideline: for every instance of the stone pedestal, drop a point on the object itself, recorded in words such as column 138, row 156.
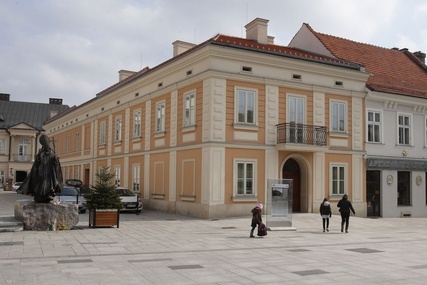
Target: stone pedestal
column 46, row 216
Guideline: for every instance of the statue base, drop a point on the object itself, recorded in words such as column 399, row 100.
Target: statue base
column 46, row 216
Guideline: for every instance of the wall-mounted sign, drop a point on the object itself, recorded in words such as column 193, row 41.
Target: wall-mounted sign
column 396, row 164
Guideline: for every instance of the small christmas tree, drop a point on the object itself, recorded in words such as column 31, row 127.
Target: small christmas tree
column 104, row 194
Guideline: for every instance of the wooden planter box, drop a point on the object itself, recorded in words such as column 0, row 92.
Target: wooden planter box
column 103, row 218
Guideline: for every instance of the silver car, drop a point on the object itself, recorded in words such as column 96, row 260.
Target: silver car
column 70, row 194
column 130, row 200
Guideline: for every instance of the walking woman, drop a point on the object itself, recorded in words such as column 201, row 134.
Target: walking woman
column 326, row 213
column 345, row 206
column 256, row 218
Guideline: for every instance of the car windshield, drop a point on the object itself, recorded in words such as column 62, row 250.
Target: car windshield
column 68, row 191
column 125, row 192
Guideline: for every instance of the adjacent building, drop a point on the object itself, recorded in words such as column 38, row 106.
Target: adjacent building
column 201, row 133
column 21, row 124
column 395, row 121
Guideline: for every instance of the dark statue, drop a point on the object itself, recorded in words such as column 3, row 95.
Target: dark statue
column 45, row 178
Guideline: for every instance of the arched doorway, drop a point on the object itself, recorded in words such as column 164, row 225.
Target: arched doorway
column 291, row 170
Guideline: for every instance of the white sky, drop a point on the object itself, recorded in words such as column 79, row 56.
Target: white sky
column 74, row 49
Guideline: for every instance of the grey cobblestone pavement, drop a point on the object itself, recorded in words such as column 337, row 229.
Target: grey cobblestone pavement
column 159, row 248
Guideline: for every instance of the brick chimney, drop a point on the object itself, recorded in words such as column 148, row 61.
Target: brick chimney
column 421, row 56
column 257, row 31
column 4, row 97
column 55, row 101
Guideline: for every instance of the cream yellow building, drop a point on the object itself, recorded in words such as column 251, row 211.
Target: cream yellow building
column 201, row 133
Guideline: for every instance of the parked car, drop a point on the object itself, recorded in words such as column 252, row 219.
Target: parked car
column 70, row 194
column 75, row 183
column 16, row 185
column 130, row 200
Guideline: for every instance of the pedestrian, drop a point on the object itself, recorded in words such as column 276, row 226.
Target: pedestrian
column 345, row 207
column 326, row 213
column 256, row 218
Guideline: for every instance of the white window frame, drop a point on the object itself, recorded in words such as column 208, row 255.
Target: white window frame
column 117, row 181
column 77, row 141
column 118, row 129
column 374, row 123
column 404, row 127
column 245, row 163
column 102, row 132
column 237, row 106
column 2, row 146
column 67, row 144
column 137, row 117
column 289, row 112
column 160, row 116
column 335, row 118
column 189, row 109
column 339, row 179
column 136, row 177
column 76, row 172
column 23, row 149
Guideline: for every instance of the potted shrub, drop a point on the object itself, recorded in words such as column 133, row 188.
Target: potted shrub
column 104, row 202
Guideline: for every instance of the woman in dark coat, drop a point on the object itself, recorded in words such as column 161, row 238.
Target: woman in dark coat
column 345, row 207
column 326, row 213
column 256, row 218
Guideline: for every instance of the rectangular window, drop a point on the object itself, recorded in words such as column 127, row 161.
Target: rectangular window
column 137, row 124
column 403, row 188
column 190, row 110
column 404, row 129
column 374, row 127
column 135, row 178
column 118, row 129
column 338, row 121
column 245, row 179
column 2, row 146
column 338, row 179
column 77, row 141
column 58, row 146
column 67, row 144
column 76, row 172
column 296, row 119
column 160, row 117
column 23, row 150
column 117, row 176
column 245, row 104
column 102, row 133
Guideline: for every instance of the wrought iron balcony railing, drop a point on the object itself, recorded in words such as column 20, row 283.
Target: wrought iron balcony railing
column 301, row 134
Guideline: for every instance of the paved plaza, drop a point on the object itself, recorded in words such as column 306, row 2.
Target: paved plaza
column 159, row 248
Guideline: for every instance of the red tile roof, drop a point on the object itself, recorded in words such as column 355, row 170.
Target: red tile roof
column 393, row 71
column 240, row 43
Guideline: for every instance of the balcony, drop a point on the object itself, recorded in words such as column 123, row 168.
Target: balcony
column 21, row 157
column 301, row 134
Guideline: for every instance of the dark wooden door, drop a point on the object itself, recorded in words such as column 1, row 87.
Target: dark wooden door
column 292, row 171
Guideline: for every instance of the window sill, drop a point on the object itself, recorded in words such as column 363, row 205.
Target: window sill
column 158, row 196
column 245, row 199
column 188, row 198
column 136, row 139
column 159, row 135
column 339, row 134
column 247, row 127
column 188, row 128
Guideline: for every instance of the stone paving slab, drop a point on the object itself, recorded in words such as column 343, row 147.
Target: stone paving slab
column 159, row 248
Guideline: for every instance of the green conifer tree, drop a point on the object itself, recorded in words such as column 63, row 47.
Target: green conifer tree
column 104, row 194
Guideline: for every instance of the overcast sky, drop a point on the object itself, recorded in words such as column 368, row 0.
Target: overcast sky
column 74, row 49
